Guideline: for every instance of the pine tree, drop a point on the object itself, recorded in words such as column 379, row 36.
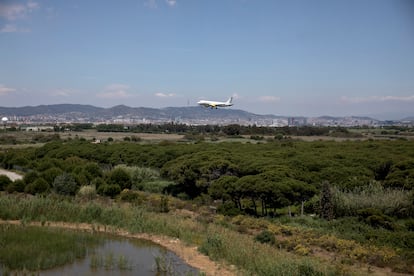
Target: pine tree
column 326, row 202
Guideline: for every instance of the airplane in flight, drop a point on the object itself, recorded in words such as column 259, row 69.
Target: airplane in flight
column 214, row 104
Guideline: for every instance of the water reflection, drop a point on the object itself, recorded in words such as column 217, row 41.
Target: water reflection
column 126, row 257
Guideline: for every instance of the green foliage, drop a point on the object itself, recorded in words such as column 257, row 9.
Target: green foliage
column 35, row 248
column 266, row 237
column 240, row 250
column 212, row 246
column 391, row 202
column 65, row 184
column 110, row 190
column 140, row 176
column 16, row 186
column 88, row 192
column 401, row 175
column 50, row 174
column 30, row 177
column 92, row 212
column 119, row 177
column 410, row 224
column 157, row 186
column 228, row 209
column 376, row 218
column 4, row 182
column 8, row 140
column 272, row 175
column 382, row 170
column 164, row 208
column 39, row 186
column 93, row 170
column 131, row 196
column 326, row 202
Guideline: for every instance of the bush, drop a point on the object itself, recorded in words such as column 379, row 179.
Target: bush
column 109, row 190
column 266, row 237
column 391, row 202
column 120, row 177
column 30, row 177
column 16, row 186
column 131, row 196
column 92, row 212
column 228, row 209
column 65, row 184
column 39, row 186
column 212, row 246
column 4, row 182
column 376, row 218
column 410, row 224
column 88, row 191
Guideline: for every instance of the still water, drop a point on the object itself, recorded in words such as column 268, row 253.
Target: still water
column 126, row 257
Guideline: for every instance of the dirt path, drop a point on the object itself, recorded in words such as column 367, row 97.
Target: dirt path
column 189, row 254
column 12, row 175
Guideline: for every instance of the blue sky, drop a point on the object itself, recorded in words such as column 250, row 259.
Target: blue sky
column 310, row 57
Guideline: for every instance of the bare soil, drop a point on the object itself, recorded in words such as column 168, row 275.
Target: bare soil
column 12, row 175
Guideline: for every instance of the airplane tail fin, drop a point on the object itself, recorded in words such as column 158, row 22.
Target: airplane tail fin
column 229, row 100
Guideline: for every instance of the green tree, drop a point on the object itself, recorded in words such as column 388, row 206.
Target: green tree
column 50, row 174
column 39, row 186
column 247, row 185
column 16, row 186
column 65, row 184
column 30, row 177
column 326, row 202
column 120, row 177
column 4, row 182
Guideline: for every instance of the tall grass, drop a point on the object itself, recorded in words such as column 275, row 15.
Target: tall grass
column 392, row 202
column 36, row 248
column 219, row 243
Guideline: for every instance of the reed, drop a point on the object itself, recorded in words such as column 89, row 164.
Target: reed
column 213, row 239
column 39, row 248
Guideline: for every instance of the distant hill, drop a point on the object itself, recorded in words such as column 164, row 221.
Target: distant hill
column 122, row 111
column 188, row 115
column 408, row 119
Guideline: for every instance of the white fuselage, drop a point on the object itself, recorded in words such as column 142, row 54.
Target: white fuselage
column 215, row 104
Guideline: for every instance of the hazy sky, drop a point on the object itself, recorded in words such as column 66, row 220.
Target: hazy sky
column 310, row 57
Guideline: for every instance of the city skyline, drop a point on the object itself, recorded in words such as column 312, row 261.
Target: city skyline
column 292, row 58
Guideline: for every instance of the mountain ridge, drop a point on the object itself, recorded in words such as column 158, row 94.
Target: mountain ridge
column 189, row 114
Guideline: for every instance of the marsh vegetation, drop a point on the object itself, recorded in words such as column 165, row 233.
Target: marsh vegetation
column 44, row 250
column 322, row 206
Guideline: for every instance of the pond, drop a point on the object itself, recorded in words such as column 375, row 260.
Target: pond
column 112, row 255
column 126, row 257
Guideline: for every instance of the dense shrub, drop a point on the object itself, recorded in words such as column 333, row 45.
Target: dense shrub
column 120, row 177
column 88, row 192
column 30, row 177
column 4, row 182
column 39, row 186
column 376, row 218
column 16, row 186
column 410, row 224
column 228, row 209
column 266, row 237
column 65, row 184
column 326, row 202
column 391, row 202
column 109, row 190
column 212, row 246
column 130, row 196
